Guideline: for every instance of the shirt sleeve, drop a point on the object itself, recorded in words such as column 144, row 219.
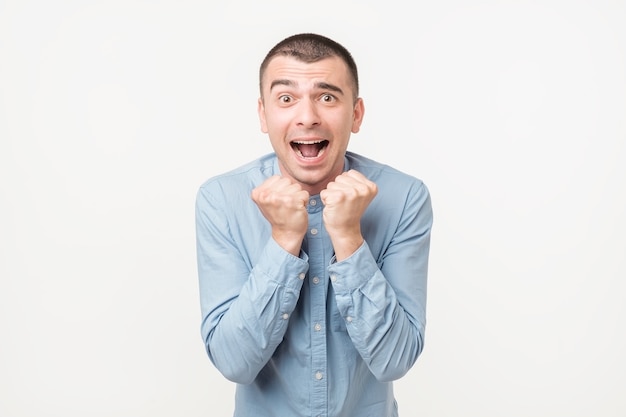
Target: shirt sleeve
column 383, row 302
column 245, row 307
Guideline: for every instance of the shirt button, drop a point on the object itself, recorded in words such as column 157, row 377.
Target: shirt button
column 285, row 316
column 349, row 319
column 317, row 327
column 318, row 375
column 333, row 278
column 316, row 280
column 313, row 231
column 313, row 202
column 302, row 275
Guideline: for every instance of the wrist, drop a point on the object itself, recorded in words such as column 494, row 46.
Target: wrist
column 289, row 242
column 345, row 246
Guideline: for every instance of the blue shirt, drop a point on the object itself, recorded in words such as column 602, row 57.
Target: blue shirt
column 310, row 336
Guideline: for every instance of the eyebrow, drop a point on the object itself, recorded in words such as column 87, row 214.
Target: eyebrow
column 327, row 86
column 319, row 85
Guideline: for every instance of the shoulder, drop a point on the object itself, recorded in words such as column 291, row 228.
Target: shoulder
column 383, row 174
column 243, row 178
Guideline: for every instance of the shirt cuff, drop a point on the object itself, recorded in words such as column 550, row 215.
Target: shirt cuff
column 282, row 267
column 354, row 271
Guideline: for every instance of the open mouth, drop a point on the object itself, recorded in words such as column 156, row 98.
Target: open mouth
column 309, row 149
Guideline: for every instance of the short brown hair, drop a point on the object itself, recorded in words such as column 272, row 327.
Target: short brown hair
column 311, row 47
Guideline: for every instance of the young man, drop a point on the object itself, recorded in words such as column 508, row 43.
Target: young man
column 313, row 260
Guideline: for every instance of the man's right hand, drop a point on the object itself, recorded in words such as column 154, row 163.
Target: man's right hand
column 283, row 203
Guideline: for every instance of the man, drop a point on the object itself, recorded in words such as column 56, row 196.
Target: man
column 313, row 260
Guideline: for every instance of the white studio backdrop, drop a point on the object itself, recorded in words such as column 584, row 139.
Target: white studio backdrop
column 113, row 112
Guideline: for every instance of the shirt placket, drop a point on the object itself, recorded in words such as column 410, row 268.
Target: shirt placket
column 317, row 290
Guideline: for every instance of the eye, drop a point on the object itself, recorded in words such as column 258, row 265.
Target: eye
column 285, row 99
column 328, row 98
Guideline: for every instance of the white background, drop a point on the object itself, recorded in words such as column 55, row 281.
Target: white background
column 113, row 112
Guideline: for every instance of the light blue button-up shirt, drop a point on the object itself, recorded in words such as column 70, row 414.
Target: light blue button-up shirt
column 310, row 336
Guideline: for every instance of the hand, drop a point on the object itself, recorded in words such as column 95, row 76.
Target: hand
column 283, row 203
column 345, row 201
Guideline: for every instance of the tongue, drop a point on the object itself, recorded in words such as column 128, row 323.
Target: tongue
column 309, row 151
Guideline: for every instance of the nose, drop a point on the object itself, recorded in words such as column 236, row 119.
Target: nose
column 308, row 115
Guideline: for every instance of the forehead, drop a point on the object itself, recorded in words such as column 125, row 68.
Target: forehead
column 331, row 69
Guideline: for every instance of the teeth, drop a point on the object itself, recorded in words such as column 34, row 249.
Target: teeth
column 307, row 142
column 297, row 143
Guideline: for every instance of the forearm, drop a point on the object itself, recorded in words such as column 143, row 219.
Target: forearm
column 387, row 333
column 243, row 325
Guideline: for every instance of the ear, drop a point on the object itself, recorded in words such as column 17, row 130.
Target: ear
column 357, row 119
column 261, row 112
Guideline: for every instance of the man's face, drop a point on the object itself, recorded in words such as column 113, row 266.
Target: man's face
column 309, row 113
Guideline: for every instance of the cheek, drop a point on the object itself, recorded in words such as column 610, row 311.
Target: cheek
column 344, row 122
column 275, row 119
column 273, row 125
column 276, row 126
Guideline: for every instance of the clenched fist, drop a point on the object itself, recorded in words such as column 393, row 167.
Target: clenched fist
column 345, row 201
column 283, row 202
